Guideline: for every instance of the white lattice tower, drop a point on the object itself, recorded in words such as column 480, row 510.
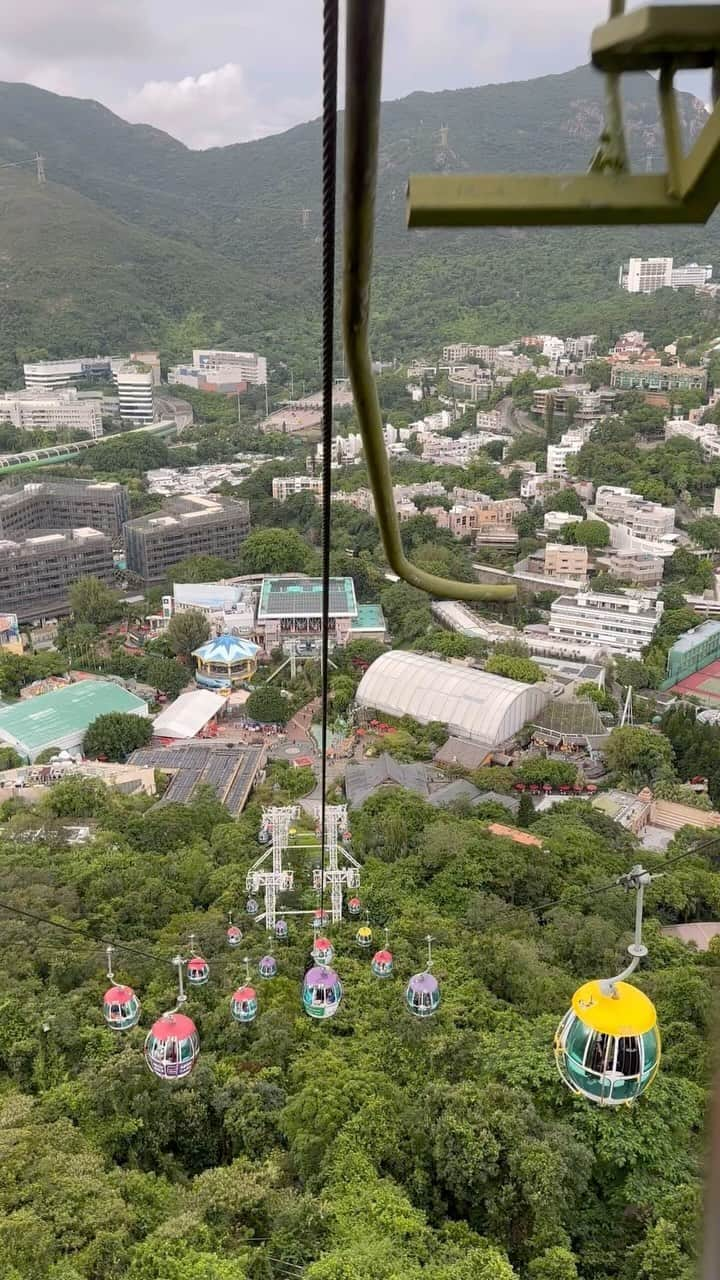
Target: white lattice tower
column 273, row 879
column 336, row 876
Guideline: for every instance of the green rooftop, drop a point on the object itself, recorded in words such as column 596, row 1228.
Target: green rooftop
column 370, row 617
column 302, row 597
column 61, row 717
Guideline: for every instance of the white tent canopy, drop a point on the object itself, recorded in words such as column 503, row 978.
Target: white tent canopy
column 188, row 714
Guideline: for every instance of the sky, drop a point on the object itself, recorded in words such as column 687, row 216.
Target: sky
column 224, row 71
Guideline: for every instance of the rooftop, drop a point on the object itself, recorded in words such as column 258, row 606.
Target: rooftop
column 302, row 597
column 230, row 771
column 187, row 507
column 694, row 637
column 370, row 617
column 227, row 649
column 40, row 721
column 512, row 833
column 363, row 778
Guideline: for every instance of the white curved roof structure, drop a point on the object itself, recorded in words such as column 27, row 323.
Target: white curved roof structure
column 473, row 704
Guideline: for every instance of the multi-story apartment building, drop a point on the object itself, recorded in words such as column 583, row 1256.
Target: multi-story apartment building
column 581, row 347
column 612, row 623
column 565, row 561
column 247, row 366
column 635, row 567
column 49, row 375
column 617, row 504
column 135, row 393
column 488, row 421
column 186, row 526
column 587, row 407
column 62, row 504
column 36, row 573
column 283, row 487
column 645, row 275
column 571, row 443
column 468, row 351
column 470, row 382
column 468, row 518
column 64, row 410
column 640, row 376
column 152, row 361
column 442, row 450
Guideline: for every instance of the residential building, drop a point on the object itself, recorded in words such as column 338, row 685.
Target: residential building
column 571, row 442
column 706, row 434
column 716, row 503
column 616, row 504
column 10, row 638
column 466, row 351
column 63, row 410
column 470, row 382
column 553, row 348
column 283, row 487
column 36, row 573
column 290, row 611
column 62, row 504
column 135, row 393
column 633, row 567
column 691, row 652
column 464, row 519
column 247, row 366
column 645, row 275
column 185, row 526
column 535, row 486
column 442, row 450
column 489, row 421
column 202, row 479
column 640, row 376
column 49, row 375
column 621, row 624
column 554, row 521
column 565, row 561
column 581, row 347
column 629, row 345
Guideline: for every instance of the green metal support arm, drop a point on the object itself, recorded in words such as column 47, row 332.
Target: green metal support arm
column 365, row 27
column 660, row 37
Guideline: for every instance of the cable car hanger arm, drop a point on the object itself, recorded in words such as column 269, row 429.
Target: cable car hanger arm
column 663, row 38
column 365, row 24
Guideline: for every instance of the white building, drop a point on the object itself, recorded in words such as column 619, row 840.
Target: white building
column 48, row 375
column 488, row 421
column 61, row 410
column 135, row 393
column 245, row 366
column 553, row 348
column 444, row 451
column 645, row 275
column 706, row 434
column 617, row 504
column 284, row 486
column 553, row 521
column 622, row 624
column 229, row 607
column 571, row 442
column 716, row 503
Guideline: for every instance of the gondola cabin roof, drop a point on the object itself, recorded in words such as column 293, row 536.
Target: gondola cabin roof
column 173, row 1025
column 119, row 995
column 627, row 1013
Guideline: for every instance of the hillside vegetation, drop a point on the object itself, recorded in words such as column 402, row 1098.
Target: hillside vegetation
column 107, row 269
column 373, row 1145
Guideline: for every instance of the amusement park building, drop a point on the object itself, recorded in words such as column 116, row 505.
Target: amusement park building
column 472, row 704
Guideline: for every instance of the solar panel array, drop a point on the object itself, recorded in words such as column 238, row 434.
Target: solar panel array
column 230, row 771
column 305, row 597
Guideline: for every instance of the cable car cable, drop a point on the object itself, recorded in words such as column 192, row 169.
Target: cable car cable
column 329, row 191
column 81, row 933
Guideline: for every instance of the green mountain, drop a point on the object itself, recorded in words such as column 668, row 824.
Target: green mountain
column 134, row 230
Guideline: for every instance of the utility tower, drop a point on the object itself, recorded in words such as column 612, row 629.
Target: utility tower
column 40, row 163
column 273, row 879
column 627, row 712
column 336, row 876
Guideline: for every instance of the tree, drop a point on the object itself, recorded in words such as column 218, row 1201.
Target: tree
column 706, row 532
column 540, row 770
column 586, row 533
column 641, row 756
column 116, row 735
column 267, row 705
column 564, row 500
column 526, row 810
column 523, row 669
column 91, row 601
column 201, row 569
column 277, row 551
column 9, row 759
column 165, row 674
column 186, row 632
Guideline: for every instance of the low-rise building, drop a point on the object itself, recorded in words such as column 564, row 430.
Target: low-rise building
column 691, row 652
column 639, row 376
column 564, row 560
column 36, row 573
column 228, row 606
column 63, row 410
column 464, row 519
column 706, row 434
column 283, row 487
column 290, row 612
column 633, row 567
column 61, row 719
column 617, row 504
column 623, row 624
column 554, row 521
column 186, row 526
column 10, row 638
column 444, row 451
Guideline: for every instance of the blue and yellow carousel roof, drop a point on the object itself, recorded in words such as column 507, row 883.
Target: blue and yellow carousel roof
column 228, row 649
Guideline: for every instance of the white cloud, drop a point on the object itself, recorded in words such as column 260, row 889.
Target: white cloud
column 213, row 108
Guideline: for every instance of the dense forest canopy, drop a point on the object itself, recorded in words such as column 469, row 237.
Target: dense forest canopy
column 371, row 1146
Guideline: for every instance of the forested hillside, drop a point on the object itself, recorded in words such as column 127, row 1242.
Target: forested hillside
column 249, row 264
column 370, row 1147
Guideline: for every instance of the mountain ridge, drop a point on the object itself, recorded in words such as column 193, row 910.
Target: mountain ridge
column 226, row 223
